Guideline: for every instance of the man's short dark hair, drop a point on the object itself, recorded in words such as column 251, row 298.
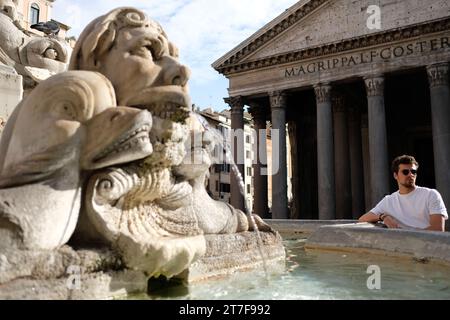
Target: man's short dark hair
column 404, row 159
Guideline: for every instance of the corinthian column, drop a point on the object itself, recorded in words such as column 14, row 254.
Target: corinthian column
column 379, row 167
column 440, row 115
column 279, row 177
column 260, row 198
column 237, row 126
column 356, row 162
column 366, row 162
column 325, row 153
column 341, row 159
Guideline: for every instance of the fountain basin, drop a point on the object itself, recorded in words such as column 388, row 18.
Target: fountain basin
column 322, row 260
column 101, row 274
column 352, row 236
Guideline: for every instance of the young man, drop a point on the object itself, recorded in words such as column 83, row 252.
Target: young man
column 411, row 207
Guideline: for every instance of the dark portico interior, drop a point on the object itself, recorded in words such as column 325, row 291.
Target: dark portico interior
column 409, row 131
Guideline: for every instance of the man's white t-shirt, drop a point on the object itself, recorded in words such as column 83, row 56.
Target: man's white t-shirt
column 412, row 209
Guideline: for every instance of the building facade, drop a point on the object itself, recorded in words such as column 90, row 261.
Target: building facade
column 33, row 11
column 357, row 85
column 219, row 183
column 221, row 176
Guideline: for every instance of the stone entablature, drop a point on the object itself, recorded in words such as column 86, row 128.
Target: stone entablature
column 381, row 55
column 375, row 54
column 348, row 45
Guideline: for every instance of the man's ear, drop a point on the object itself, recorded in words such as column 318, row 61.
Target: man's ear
column 395, row 175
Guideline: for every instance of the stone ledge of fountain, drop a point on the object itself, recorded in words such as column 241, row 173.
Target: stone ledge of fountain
column 54, row 275
column 294, row 229
column 27, row 275
column 229, row 253
column 424, row 246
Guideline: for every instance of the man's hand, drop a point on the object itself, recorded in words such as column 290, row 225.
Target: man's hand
column 390, row 222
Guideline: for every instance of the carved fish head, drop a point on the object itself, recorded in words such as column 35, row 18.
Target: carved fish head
column 117, row 135
column 45, row 131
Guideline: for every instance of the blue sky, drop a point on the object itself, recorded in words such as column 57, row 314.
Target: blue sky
column 203, row 30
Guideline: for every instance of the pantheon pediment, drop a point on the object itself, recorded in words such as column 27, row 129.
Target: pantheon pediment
column 314, row 23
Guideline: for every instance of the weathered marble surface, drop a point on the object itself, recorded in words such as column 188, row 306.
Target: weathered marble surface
column 69, row 124
column 364, row 237
column 66, row 274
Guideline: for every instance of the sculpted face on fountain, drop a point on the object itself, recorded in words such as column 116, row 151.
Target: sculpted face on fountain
column 154, row 211
column 134, row 53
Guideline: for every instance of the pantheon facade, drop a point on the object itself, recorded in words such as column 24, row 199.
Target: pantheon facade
column 353, row 87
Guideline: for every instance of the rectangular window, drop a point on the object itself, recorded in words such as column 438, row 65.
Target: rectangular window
column 249, row 171
column 248, row 154
column 34, row 14
column 225, row 187
column 249, row 189
column 247, row 139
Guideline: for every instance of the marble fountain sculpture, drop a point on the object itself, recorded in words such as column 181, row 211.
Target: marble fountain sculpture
column 34, row 57
column 25, row 59
column 97, row 175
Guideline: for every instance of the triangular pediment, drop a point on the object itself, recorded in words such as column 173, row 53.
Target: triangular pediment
column 313, row 23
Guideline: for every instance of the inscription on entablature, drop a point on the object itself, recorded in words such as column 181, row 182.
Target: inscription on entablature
column 371, row 56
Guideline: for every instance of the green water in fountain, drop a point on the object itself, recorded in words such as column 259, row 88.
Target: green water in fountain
column 320, row 275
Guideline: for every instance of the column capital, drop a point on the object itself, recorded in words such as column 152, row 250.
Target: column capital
column 323, row 92
column 277, row 99
column 236, row 104
column 338, row 102
column 374, row 85
column 438, row 74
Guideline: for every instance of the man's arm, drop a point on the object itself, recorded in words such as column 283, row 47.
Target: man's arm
column 388, row 220
column 437, row 223
column 369, row 217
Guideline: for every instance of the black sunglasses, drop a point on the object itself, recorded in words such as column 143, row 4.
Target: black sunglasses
column 407, row 171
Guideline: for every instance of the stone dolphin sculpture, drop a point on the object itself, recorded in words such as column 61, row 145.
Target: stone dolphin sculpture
column 68, row 125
